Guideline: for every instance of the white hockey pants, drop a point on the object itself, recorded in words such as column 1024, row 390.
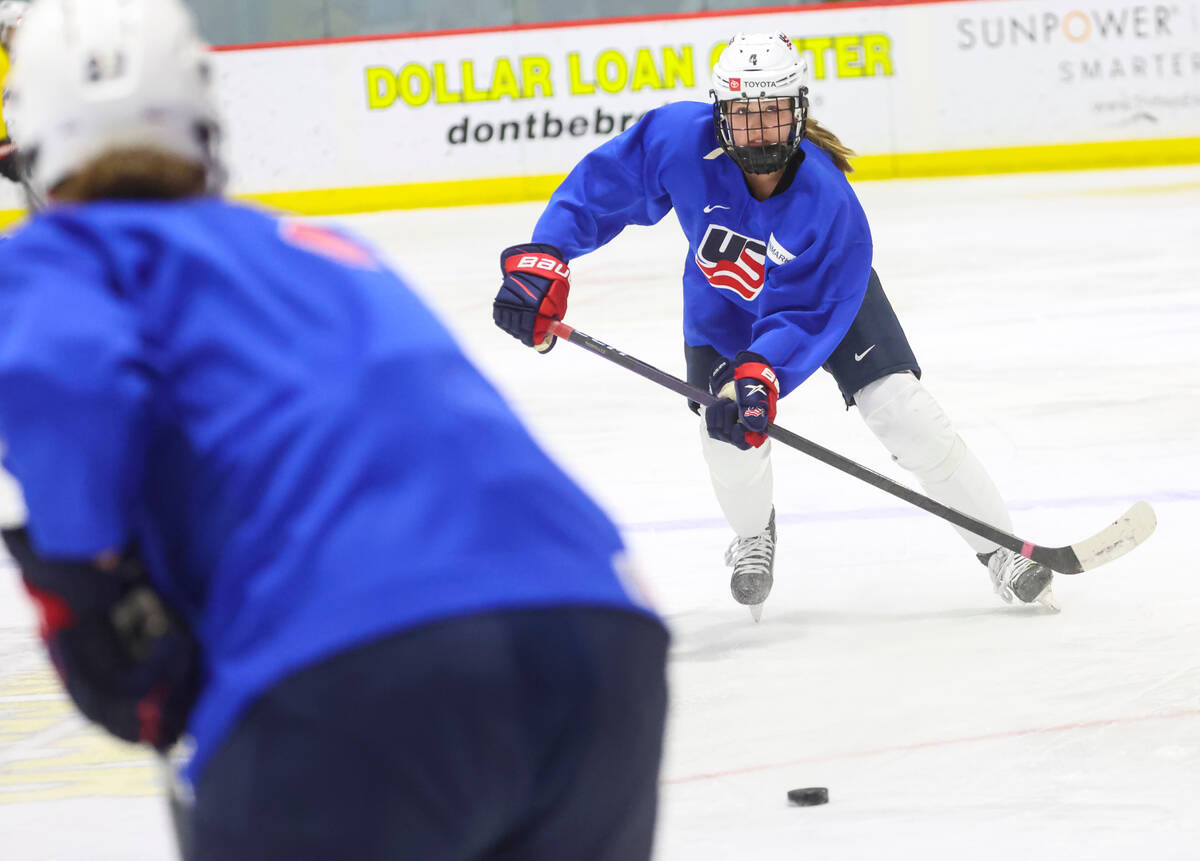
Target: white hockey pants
column 911, row 426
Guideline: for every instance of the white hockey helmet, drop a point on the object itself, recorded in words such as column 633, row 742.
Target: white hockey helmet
column 11, row 13
column 762, row 68
column 91, row 76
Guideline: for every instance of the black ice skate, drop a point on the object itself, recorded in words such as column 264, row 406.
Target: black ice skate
column 1014, row 576
column 753, row 563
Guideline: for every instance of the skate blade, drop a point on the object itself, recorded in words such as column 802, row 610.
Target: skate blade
column 755, row 611
column 1047, row 600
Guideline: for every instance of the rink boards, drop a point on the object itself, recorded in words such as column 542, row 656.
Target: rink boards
column 501, row 115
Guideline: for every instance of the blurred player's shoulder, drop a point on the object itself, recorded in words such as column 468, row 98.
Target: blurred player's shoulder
column 329, row 241
column 46, row 239
column 110, row 222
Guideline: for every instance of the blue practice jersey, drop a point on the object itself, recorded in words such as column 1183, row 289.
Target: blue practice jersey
column 782, row 277
column 299, row 451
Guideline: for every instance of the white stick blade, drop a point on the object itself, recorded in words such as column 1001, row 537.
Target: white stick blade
column 1118, row 538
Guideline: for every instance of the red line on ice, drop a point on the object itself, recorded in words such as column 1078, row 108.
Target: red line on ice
column 970, row 739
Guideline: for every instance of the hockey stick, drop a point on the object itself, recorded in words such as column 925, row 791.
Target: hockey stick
column 179, row 803
column 1112, row 542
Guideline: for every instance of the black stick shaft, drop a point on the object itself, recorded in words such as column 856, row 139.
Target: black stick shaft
column 812, row 449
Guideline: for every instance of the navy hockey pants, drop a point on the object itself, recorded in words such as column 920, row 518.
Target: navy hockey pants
column 874, row 347
column 527, row 734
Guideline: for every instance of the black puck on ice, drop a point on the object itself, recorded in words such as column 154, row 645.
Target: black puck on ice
column 808, row 796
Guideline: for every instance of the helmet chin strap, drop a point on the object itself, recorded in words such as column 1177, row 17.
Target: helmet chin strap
column 216, row 175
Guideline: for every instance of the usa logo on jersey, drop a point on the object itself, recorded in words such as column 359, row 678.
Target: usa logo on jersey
column 731, row 261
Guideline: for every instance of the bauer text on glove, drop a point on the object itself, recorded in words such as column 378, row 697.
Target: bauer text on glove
column 534, row 292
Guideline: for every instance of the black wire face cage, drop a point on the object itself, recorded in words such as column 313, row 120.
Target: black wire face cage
column 773, row 118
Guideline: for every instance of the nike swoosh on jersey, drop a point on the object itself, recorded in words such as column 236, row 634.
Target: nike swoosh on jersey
column 858, row 357
column 709, row 209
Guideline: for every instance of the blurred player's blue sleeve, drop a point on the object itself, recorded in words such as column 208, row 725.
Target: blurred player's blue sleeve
column 73, row 385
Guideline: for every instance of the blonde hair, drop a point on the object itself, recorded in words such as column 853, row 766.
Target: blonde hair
column 828, row 141
column 135, row 173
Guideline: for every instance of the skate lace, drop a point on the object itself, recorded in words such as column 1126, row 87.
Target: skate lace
column 1007, row 566
column 1016, row 577
column 745, row 555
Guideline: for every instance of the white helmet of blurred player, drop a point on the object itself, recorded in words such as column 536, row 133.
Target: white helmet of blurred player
column 11, row 13
column 760, row 104
column 90, row 76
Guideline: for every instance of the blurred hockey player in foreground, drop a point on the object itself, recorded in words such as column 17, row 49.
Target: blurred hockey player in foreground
column 271, row 504
column 778, row 283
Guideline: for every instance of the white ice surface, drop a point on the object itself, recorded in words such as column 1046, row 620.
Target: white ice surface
column 1057, row 319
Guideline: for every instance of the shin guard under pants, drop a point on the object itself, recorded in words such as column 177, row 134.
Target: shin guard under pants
column 742, row 481
column 911, row 425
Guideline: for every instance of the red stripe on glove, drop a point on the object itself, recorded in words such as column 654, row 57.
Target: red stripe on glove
column 54, row 612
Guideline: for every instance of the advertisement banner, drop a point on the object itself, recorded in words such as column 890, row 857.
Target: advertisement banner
column 521, row 102
column 915, row 88
column 891, row 81
column 1036, row 73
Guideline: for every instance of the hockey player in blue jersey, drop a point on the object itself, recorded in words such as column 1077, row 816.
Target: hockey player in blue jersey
column 272, row 505
column 778, row 282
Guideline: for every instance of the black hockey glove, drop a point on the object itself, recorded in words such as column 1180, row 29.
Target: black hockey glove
column 534, row 292
column 128, row 663
column 749, row 390
column 10, row 161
